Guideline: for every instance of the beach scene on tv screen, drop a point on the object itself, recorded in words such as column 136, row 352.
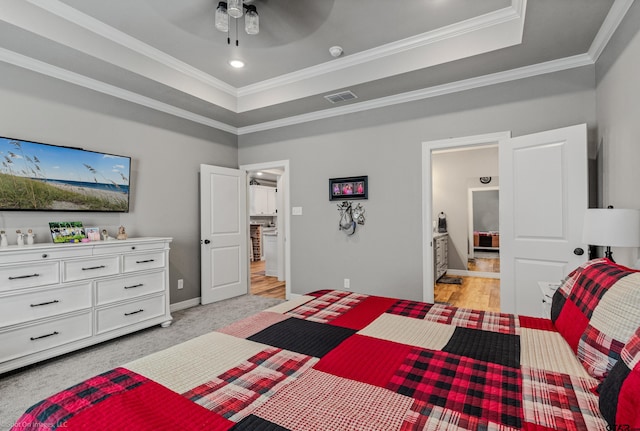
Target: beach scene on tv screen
column 36, row 176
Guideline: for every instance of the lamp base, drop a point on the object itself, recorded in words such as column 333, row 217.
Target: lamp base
column 609, row 254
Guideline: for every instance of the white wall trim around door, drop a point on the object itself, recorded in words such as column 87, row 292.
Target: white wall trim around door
column 286, row 212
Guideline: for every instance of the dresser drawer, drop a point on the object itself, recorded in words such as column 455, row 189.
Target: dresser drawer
column 139, row 261
column 44, row 303
column 131, row 286
column 131, row 313
column 26, row 254
column 115, row 248
column 31, row 275
column 43, row 336
column 83, row 269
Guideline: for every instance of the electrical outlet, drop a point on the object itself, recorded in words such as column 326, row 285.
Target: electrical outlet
column 347, row 283
column 180, row 283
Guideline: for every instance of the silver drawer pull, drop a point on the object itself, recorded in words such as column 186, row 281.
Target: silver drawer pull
column 44, row 336
column 134, row 286
column 145, row 261
column 24, row 276
column 55, row 301
column 134, row 312
column 93, row 267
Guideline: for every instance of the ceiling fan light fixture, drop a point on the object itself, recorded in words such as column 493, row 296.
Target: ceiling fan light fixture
column 235, row 8
column 251, row 20
column 222, row 17
column 237, row 64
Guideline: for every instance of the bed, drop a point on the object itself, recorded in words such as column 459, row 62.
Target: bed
column 335, row 360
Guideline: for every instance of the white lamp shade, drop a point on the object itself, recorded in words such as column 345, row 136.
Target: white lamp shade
column 612, row 227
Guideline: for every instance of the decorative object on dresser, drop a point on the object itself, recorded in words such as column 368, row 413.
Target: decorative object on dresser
column 56, row 298
column 93, row 233
column 611, row 227
column 30, row 237
column 3, row 239
column 20, row 238
column 122, row 234
column 67, row 231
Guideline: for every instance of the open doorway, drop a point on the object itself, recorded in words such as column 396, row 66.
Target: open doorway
column 453, row 170
column 267, row 225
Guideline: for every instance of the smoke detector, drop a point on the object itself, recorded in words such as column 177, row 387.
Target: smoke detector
column 335, row 51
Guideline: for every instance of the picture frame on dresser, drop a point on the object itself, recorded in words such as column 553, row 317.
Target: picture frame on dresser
column 92, row 233
column 66, row 231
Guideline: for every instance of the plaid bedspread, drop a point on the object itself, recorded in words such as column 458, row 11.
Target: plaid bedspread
column 334, row 361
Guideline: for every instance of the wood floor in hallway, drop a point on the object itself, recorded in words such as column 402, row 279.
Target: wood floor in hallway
column 474, row 292
column 262, row 285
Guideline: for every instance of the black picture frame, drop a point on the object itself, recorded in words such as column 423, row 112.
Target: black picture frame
column 349, row 188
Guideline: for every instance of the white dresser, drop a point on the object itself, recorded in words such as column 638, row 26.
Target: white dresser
column 56, row 298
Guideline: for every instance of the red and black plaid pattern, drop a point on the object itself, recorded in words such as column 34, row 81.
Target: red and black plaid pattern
column 425, row 416
column 631, row 351
column 474, row 319
column 592, row 283
column 54, row 411
column 461, row 384
column 410, row 308
column 598, row 352
column 560, row 401
column 240, row 390
column 328, row 306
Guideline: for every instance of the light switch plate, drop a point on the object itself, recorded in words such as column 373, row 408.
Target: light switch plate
column 296, row 211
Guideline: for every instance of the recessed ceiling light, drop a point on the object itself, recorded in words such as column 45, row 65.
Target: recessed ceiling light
column 238, row 64
column 259, row 174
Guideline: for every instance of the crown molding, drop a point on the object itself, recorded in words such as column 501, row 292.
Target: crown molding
column 47, row 69
column 56, row 7
column 517, row 9
column 426, row 93
column 613, row 19
column 463, row 27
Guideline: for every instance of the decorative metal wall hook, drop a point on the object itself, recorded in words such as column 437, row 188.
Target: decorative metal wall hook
column 350, row 217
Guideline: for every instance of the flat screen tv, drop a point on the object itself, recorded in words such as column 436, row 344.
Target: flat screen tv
column 44, row 177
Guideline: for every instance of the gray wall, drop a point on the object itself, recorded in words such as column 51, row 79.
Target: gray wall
column 384, row 256
column 166, row 153
column 618, row 102
column 453, row 173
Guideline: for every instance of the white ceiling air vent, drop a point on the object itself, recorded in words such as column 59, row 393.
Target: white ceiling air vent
column 340, row 97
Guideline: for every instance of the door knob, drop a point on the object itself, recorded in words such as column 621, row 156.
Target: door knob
column 578, row 251
column 206, row 241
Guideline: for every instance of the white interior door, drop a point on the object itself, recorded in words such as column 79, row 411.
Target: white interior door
column 543, row 198
column 223, row 230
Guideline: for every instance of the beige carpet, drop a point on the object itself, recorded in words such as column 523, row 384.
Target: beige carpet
column 22, row 388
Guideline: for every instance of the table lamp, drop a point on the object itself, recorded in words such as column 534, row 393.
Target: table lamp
column 611, row 227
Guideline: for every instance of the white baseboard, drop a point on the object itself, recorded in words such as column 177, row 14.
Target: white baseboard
column 184, row 304
column 465, row 273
